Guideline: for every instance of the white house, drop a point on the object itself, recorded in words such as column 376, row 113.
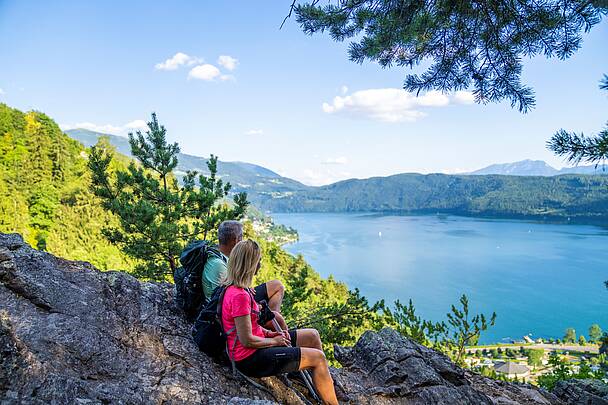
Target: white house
column 512, row 370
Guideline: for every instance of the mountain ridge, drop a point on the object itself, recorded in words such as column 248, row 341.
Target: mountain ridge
column 526, row 167
column 243, row 176
column 561, row 196
column 529, row 167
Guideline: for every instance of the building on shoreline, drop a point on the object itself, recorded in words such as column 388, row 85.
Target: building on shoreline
column 512, row 370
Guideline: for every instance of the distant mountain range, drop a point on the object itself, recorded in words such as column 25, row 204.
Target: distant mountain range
column 522, row 189
column 243, row 176
column 536, row 168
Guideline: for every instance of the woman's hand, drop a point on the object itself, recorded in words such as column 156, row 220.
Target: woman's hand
column 279, row 340
column 271, row 333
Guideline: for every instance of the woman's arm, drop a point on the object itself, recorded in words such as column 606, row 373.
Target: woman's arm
column 248, row 339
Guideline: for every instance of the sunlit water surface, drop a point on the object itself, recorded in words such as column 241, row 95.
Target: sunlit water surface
column 539, row 278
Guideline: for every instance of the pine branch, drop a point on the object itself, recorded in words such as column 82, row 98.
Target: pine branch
column 577, row 148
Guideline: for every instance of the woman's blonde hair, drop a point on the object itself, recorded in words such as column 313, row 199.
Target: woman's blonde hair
column 243, row 263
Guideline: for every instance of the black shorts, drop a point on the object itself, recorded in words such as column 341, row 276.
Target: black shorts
column 272, row 360
column 260, row 293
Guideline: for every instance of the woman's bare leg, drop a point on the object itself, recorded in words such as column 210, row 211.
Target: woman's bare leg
column 308, row 338
column 315, row 360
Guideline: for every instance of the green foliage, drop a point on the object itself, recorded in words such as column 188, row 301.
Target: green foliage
column 466, row 329
column 158, row 217
column 489, row 372
column 535, row 357
column 44, row 191
column 604, row 344
column 451, row 337
column 432, row 334
column 468, row 44
column 580, row 148
column 560, row 371
column 582, row 341
column 570, row 336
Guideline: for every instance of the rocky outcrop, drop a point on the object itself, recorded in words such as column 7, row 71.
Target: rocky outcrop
column 72, row 334
column 400, row 371
column 583, row 392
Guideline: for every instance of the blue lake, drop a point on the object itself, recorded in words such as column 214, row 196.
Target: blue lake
column 539, row 278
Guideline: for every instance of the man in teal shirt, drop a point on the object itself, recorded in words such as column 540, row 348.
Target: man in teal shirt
column 229, row 234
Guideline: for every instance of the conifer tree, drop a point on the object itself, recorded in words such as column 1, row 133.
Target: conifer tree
column 570, row 336
column 595, row 333
column 469, row 44
column 577, row 148
column 157, row 215
column 466, row 328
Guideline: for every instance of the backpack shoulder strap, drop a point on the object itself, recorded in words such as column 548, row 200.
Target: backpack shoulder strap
column 231, row 330
column 213, row 250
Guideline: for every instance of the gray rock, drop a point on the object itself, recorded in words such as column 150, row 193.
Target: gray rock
column 401, row 371
column 583, row 392
column 247, row 401
column 72, row 334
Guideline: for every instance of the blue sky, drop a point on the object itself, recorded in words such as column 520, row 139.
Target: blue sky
column 98, row 63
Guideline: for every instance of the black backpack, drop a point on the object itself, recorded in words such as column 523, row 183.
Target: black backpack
column 189, row 295
column 207, row 331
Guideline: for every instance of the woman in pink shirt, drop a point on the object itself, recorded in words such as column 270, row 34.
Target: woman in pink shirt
column 259, row 352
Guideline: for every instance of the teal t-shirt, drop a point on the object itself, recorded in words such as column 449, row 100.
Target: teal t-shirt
column 214, row 273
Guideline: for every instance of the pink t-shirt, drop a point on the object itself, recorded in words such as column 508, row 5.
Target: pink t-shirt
column 238, row 302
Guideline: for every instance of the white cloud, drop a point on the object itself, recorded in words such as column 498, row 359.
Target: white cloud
column 107, row 128
column 227, row 62
column 392, row 104
column 254, row 132
column 227, row 77
column 342, row 160
column 179, row 59
column 204, row 72
column 137, row 124
column 313, row 177
column 2, row 92
column 464, row 97
column 344, row 89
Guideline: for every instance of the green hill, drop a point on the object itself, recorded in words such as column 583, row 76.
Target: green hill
column 574, row 196
column 44, row 191
column 248, row 177
column 566, row 196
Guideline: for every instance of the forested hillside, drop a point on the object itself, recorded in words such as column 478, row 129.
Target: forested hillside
column 566, row 196
column 45, row 196
column 574, row 196
column 44, row 191
column 246, row 177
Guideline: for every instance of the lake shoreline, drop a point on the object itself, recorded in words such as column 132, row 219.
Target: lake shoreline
column 490, row 259
column 576, row 219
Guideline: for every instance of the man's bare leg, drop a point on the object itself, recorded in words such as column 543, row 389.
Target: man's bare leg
column 275, row 290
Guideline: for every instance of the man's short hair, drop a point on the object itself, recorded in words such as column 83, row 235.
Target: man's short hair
column 229, row 231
